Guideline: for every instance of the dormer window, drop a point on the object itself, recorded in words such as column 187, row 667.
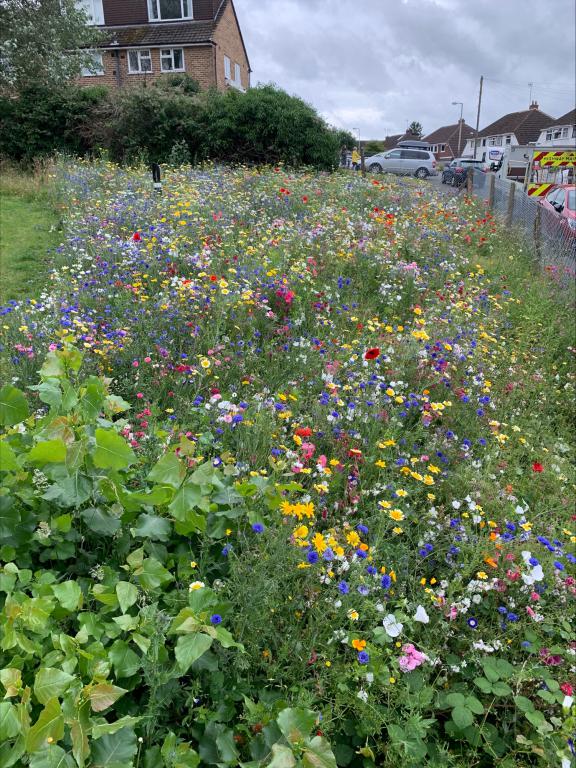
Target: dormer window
column 169, row 10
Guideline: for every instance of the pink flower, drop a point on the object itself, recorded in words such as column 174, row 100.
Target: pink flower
column 135, row 364
column 147, row 359
column 412, row 658
column 139, row 395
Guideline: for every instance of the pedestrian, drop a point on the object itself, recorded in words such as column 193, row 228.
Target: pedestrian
column 355, row 159
column 348, row 159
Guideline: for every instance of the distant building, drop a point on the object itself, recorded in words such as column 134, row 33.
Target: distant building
column 444, row 141
column 148, row 39
column 391, row 141
column 511, row 130
column 561, row 133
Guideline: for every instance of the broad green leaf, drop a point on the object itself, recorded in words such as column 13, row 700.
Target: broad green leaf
column 535, row 717
column 49, row 392
column 11, row 679
column 296, row 723
column 158, row 496
column 112, row 451
column 127, row 594
column 524, row 703
column 189, row 648
column 189, row 498
column 52, row 757
column 501, row 689
column 101, row 521
column 92, row 401
column 115, row 750
column 48, row 452
column 455, row 699
column 36, row 613
column 484, row 685
column 103, row 695
column 490, row 669
column 68, row 594
column 227, row 747
column 152, row 527
column 462, row 717
column 318, row 754
column 124, row 660
column 152, row 574
column 9, row 722
column 225, row 638
column 505, row 669
column 282, row 757
column 50, row 725
column 51, row 683
column 115, row 404
column 53, row 366
column 13, row 406
column 474, row 705
column 169, row 470
column 80, row 728
column 107, row 729
column 7, row 458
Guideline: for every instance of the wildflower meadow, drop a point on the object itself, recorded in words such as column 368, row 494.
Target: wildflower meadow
column 287, row 480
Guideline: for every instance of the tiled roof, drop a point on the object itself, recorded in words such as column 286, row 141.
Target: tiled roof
column 526, row 125
column 447, row 132
column 568, row 119
column 391, row 141
column 173, row 33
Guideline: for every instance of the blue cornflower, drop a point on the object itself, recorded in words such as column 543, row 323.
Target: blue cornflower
column 512, row 617
column 502, row 609
column 312, row 557
column 534, row 561
column 361, row 554
column 215, row 618
column 362, row 529
column 343, row 588
column 328, row 554
column 558, row 565
column 363, row 590
column 371, row 570
column 363, row 657
column 226, row 550
column 386, row 581
column 258, row 528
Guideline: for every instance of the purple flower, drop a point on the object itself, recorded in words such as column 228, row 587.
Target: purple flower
column 343, row 588
column 312, row 557
column 472, row 622
column 363, row 657
column 258, row 528
column 215, row 618
column 386, row 581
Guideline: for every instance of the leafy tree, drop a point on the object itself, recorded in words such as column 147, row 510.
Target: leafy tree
column 416, row 128
column 41, row 41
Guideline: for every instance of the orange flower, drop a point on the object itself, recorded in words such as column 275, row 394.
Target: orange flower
column 359, row 645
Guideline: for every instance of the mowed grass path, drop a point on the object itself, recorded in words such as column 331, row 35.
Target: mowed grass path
column 29, row 228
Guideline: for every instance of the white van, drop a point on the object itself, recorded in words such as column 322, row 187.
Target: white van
column 406, row 162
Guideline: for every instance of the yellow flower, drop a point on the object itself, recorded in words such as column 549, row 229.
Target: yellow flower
column 385, row 504
column 396, row 514
column 205, row 363
column 401, row 492
column 353, row 615
column 301, row 532
column 318, row 542
column 359, row 645
column 353, row 539
column 482, row 575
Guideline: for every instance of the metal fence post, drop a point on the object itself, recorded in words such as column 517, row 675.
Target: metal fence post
column 491, row 183
column 470, row 181
column 538, row 231
column 510, row 211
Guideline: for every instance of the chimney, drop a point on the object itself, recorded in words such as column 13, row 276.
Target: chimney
column 534, row 105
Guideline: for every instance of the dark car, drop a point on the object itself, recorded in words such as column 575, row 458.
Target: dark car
column 457, row 172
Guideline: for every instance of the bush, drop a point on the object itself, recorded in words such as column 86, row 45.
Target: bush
column 264, row 125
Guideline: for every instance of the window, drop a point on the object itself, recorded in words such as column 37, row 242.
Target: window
column 139, row 61
column 483, row 142
column 548, row 135
column 574, row 131
column 172, row 60
column 508, row 139
column 95, row 66
column 564, row 132
column 93, row 9
column 237, row 75
column 227, row 72
column 443, row 147
column 557, row 133
column 169, row 10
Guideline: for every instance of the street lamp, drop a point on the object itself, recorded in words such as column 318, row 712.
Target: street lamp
column 461, row 105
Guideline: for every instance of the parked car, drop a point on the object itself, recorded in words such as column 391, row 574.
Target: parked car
column 407, row 162
column 455, row 173
column 561, row 201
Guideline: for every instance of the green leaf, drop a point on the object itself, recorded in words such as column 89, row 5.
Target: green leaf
column 501, row 689
column 103, row 695
column 51, row 683
column 53, row 367
column 523, row 703
column 48, row 452
column 50, row 724
column 107, row 729
column 126, row 663
column 462, row 717
column 455, row 699
column 490, row 670
column 9, row 722
column 93, row 400
column 112, row 451
column 100, row 521
column 49, row 392
column 52, row 757
column 153, row 574
column 127, row 594
column 505, row 669
column 114, row 750
column 484, row 685
column 7, row 458
column 227, row 747
column 152, row 527
column 188, row 498
column 169, row 470
column 474, row 705
column 282, row 757
column 318, row 754
column 535, row 717
column 296, row 723
column 189, row 648
column 68, row 594
column 13, row 406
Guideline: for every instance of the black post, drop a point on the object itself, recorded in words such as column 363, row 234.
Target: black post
column 156, row 177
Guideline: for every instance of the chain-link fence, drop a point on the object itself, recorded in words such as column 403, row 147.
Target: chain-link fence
column 548, row 234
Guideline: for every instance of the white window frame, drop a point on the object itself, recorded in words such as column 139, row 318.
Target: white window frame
column 139, row 52
column 238, row 75
column 98, row 57
column 155, row 11
column 166, row 53
column 548, row 135
column 94, row 10
column 227, row 68
column 565, row 132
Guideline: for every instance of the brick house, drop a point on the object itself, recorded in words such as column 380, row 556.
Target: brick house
column 444, row 141
column 516, row 128
column 146, row 39
column 560, row 133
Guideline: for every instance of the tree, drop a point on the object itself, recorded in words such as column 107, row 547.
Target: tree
column 41, row 41
column 415, row 128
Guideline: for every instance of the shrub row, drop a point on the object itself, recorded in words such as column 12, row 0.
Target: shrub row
column 263, row 125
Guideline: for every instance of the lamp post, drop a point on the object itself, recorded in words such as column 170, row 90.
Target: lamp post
column 461, row 105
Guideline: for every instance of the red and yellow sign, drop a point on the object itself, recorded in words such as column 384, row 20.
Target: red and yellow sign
column 539, row 190
column 564, row 158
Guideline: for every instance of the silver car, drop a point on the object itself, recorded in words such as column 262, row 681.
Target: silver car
column 407, row 162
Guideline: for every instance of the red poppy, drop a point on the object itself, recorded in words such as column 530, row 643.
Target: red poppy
column 136, row 237
column 304, row 199
column 372, row 354
column 303, row 432
column 537, row 467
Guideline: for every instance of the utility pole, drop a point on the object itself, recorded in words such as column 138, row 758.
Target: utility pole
column 530, row 85
column 478, row 115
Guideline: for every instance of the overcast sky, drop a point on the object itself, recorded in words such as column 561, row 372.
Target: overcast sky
column 376, row 65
